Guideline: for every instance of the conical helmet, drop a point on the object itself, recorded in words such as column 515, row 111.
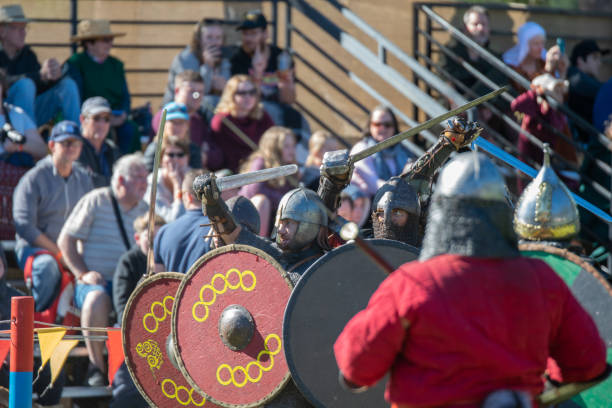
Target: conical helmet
column 546, row 210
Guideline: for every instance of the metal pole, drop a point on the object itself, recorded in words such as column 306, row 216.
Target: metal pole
column 288, row 27
column 415, row 50
column 22, row 352
column 73, row 23
column 275, row 19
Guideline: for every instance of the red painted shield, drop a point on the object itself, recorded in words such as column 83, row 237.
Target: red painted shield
column 145, row 331
column 237, row 276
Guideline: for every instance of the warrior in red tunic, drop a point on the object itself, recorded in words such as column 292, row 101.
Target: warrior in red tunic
column 472, row 318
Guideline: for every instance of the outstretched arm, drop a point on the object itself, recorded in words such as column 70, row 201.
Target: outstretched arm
column 457, row 135
column 213, row 206
column 336, row 172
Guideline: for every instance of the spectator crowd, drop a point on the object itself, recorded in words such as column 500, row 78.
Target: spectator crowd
column 80, row 192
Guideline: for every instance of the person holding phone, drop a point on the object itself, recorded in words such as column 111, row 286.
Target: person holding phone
column 206, row 55
column 270, row 67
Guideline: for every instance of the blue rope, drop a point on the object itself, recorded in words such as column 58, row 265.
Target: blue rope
column 531, row 172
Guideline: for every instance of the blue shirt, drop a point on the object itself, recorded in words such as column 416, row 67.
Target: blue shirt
column 180, row 243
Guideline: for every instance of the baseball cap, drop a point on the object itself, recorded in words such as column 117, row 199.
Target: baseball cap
column 176, row 110
column 584, row 48
column 66, row 129
column 93, row 106
column 253, row 19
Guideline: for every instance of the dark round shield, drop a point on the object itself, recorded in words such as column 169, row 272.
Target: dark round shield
column 227, row 326
column 327, row 296
column 594, row 294
column 145, row 333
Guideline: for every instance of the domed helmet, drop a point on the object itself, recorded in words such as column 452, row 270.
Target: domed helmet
column 394, row 195
column 469, row 213
column 305, row 207
column 546, row 210
column 244, row 212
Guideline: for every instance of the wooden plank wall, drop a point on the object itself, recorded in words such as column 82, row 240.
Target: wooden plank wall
column 392, row 18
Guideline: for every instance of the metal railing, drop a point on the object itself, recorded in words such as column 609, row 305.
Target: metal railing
column 434, row 22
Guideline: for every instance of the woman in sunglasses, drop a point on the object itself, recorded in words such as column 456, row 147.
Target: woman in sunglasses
column 371, row 173
column 240, row 105
column 276, row 148
column 172, row 169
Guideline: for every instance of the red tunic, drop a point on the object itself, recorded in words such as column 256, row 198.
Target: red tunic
column 474, row 326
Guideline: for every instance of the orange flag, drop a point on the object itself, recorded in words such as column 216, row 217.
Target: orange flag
column 115, row 353
column 5, row 345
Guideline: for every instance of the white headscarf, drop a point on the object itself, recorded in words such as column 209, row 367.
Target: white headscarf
column 515, row 55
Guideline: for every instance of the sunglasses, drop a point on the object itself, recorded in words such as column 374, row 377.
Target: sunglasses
column 175, row 155
column 100, row 118
column 250, row 92
column 106, row 39
column 383, row 124
column 70, row 142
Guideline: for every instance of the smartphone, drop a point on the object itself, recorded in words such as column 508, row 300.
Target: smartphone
column 561, row 44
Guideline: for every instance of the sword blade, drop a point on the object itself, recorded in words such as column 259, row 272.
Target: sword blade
column 160, row 137
column 393, row 140
column 258, row 176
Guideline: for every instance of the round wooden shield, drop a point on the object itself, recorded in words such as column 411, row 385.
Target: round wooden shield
column 145, row 333
column 243, row 288
column 327, row 296
column 594, row 293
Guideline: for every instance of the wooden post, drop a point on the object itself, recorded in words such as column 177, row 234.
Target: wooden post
column 22, row 352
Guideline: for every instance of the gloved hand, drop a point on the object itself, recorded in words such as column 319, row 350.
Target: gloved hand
column 337, row 168
column 206, row 190
column 460, row 132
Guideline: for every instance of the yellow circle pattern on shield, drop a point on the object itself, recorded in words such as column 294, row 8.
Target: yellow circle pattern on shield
column 175, row 394
column 167, row 311
column 245, row 370
column 211, row 288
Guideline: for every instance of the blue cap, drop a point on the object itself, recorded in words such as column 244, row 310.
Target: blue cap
column 66, row 129
column 176, row 111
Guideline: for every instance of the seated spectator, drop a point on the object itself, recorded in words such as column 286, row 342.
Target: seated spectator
column 371, row 173
column 172, row 169
column 276, row 148
column 13, row 118
column 98, row 231
column 188, row 90
column 239, row 113
column 180, row 243
column 97, row 73
column 269, row 66
column 133, row 264
column 177, row 124
column 41, row 91
column 583, row 76
column 528, row 56
column 360, row 205
column 476, row 26
column 42, row 201
column 205, row 56
column 99, row 153
column 537, row 113
column 319, row 143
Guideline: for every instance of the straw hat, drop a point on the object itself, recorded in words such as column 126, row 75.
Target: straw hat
column 12, row 14
column 91, row 29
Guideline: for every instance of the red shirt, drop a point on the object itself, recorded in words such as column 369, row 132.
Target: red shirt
column 233, row 148
column 453, row 329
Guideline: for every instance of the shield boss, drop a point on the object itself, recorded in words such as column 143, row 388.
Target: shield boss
column 145, row 333
column 227, row 326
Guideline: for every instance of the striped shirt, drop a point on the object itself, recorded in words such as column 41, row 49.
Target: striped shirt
column 93, row 222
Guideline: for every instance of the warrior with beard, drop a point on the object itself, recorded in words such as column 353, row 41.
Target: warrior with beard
column 472, row 286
